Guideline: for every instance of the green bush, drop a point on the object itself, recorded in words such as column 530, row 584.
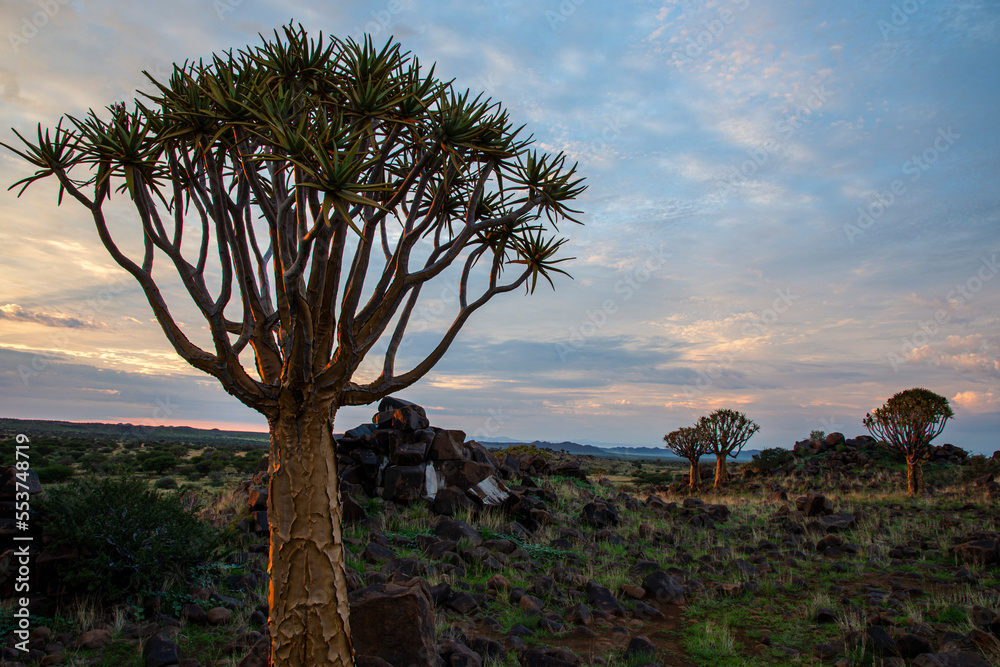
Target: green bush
column 159, row 464
column 54, row 474
column 166, row 483
column 129, row 537
column 770, row 460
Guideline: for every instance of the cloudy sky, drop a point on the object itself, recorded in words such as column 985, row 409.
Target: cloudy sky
column 793, row 210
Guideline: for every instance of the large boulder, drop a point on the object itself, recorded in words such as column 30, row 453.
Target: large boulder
column 663, row 588
column 447, row 445
column 394, row 623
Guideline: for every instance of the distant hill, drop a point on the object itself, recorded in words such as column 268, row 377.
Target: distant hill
column 39, row 428
column 655, row 453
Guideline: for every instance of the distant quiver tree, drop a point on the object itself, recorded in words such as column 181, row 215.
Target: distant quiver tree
column 727, row 431
column 906, row 424
column 305, row 192
column 691, row 443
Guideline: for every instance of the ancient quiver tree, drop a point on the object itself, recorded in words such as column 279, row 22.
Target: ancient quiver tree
column 906, row 424
column 691, row 443
column 305, row 192
column 727, row 431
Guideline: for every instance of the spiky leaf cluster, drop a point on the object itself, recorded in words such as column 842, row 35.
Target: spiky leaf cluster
column 727, row 431
column 320, row 183
column 688, row 442
column 909, row 420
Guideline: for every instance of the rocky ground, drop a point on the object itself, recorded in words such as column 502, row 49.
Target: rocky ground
column 530, row 558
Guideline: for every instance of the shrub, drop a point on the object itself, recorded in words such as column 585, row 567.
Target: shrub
column 160, row 463
column 530, row 450
column 770, row 460
column 166, row 483
column 54, row 474
column 129, row 536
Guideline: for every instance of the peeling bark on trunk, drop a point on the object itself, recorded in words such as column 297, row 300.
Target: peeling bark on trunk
column 721, row 474
column 308, row 590
column 695, row 474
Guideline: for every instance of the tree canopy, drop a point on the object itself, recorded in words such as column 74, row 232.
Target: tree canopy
column 305, row 191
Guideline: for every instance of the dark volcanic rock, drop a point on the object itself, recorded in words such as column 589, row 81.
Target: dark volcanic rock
column 663, row 588
column 394, row 623
column 453, row 529
column 600, row 514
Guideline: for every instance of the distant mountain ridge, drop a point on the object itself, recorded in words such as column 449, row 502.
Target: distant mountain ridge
column 603, row 452
column 44, row 428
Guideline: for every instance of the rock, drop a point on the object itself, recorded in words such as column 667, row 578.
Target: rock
column 218, row 615
column 408, row 454
column 490, row 492
column 949, row 659
column 94, row 639
column 463, row 474
column 449, row 500
column 447, row 446
column 978, row 548
column 549, row 657
column 404, row 484
column 457, row 654
column 599, row 514
column 663, row 588
column 257, row 499
column 193, row 613
column 813, row 504
column 603, row 599
column 9, row 482
column 394, row 623
column 911, row 645
column 454, row 529
column 160, row 651
column 489, row 649
column 353, row 511
column 259, row 655
column 579, row 614
column 640, row 646
column 881, row 642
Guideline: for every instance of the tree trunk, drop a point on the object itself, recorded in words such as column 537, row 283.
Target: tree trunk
column 695, row 474
column 914, row 475
column 308, row 589
column 721, row 474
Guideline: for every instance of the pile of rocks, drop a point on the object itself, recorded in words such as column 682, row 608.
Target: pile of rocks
column 860, row 451
column 401, row 458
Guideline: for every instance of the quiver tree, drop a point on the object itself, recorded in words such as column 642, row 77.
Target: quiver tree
column 727, row 431
column 689, row 442
column 305, row 192
column 906, row 424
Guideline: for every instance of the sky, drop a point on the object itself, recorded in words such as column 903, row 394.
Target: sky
column 792, row 211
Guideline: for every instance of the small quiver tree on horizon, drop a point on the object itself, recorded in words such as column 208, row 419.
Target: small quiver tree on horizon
column 304, row 193
column 726, row 431
column 906, row 424
column 691, row 443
